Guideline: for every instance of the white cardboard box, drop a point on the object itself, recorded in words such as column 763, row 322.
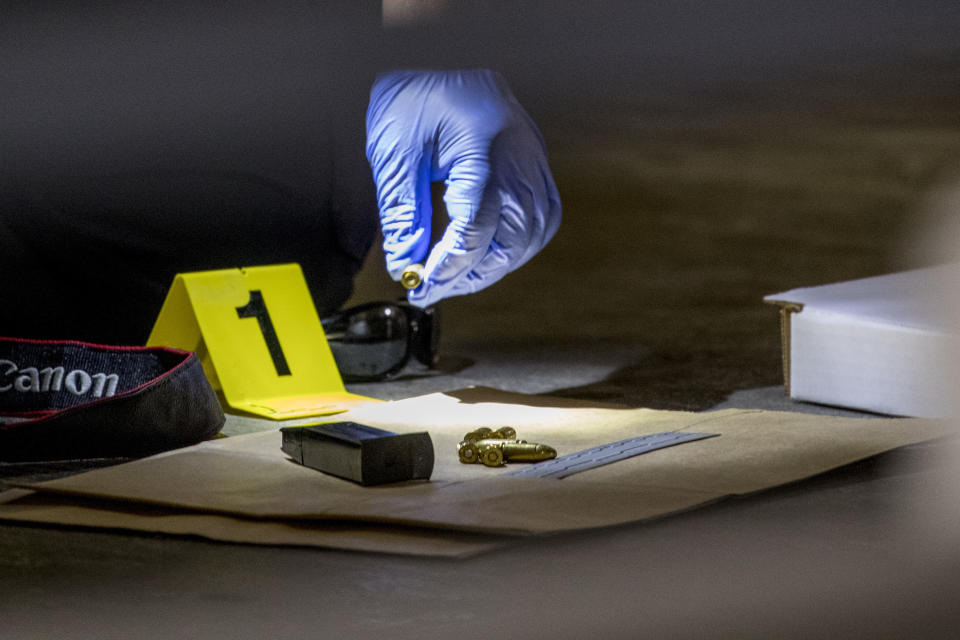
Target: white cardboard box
column 889, row 344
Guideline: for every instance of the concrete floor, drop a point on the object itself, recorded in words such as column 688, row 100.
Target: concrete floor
column 679, row 216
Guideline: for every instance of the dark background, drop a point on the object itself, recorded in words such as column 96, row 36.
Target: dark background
column 707, row 154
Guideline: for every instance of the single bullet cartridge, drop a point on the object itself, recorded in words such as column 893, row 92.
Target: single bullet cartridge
column 528, row 452
column 520, row 450
column 477, row 434
column 491, row 456
column 412, row 276
column 468, row 452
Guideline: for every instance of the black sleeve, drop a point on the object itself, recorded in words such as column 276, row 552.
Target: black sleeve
column 141, row 139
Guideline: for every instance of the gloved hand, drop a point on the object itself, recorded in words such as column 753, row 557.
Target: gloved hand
column 466, row 128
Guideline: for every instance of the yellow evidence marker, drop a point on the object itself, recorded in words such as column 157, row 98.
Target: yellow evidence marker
column 258, row 335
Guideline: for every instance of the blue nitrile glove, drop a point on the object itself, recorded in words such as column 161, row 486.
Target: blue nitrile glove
column 466, row 128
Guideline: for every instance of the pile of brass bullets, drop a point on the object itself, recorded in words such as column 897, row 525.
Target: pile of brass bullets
column 493, row 448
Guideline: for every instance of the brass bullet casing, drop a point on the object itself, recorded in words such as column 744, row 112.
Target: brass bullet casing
column 468, row 452
column 491, row 456
column 477, row 434
column 528, row 452
column 520, row 450
column 486, row 433
column 412, row 276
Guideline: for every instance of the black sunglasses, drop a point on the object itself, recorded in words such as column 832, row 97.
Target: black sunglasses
column 374, row 341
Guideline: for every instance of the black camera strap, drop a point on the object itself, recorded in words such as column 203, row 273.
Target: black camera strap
column 66, row 400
